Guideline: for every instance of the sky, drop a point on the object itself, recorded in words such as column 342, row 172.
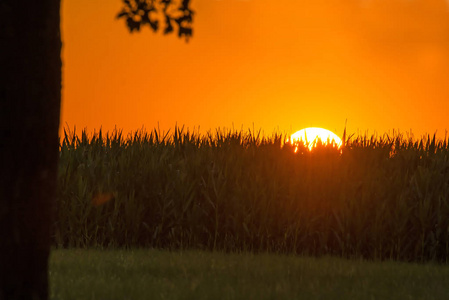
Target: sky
column 277, row 66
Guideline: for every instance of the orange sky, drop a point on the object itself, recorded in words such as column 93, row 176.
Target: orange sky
column 280, row 65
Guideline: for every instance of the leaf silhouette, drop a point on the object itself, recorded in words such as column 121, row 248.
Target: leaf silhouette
column 137, row 13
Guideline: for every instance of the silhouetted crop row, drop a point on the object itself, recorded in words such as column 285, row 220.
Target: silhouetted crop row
column 381, row 198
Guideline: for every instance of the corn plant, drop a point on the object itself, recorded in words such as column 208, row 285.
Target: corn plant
column 376, row 197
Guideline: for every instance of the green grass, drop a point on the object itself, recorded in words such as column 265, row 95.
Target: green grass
column 153, row 274
column 378, row 197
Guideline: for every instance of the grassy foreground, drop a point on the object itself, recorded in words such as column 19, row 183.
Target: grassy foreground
column 154, row 274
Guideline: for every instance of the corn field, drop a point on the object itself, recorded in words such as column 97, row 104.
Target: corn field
column 375, row 198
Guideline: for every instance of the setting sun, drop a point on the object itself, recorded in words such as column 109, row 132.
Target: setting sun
column 310, row 137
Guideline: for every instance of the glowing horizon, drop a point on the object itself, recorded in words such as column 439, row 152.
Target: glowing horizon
column 311, row 136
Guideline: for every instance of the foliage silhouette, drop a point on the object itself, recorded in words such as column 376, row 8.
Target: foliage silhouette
column 145, row 12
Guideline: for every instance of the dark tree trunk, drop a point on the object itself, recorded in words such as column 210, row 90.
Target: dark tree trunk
column 30, row 94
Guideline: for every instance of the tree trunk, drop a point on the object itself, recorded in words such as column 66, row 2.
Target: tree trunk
column 30, row 94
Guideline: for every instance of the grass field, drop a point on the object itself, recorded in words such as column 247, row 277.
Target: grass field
column 154, row 274
column 295, row 217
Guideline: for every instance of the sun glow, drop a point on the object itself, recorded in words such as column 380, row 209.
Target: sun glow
column 312, row 136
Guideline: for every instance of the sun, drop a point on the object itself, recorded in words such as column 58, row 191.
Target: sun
column 311, row 135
